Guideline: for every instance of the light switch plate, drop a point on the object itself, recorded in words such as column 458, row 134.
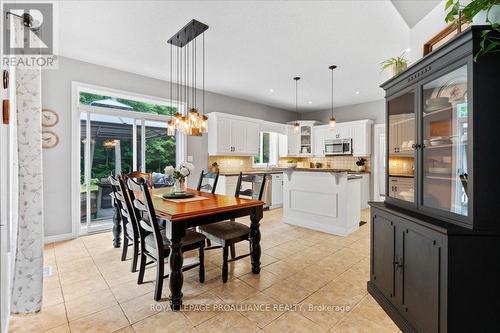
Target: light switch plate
column 190, row 158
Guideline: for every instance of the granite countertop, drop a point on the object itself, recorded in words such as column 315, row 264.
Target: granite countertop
column 251, row 172
column 318, row 170
column 281, row 170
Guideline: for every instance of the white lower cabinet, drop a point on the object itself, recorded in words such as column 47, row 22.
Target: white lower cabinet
column 277, row 191
column 232, row 135
column 365, row 193
column 401, row 188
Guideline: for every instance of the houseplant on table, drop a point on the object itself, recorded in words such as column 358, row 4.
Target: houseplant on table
column 180, row 174
column 477, row 12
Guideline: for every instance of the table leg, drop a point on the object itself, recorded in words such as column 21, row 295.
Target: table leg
column 176, row 278
column 255, row 239
column 117, row 228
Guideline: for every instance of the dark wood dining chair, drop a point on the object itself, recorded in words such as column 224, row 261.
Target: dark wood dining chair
column 154, row 242
column 228, row 233
column 147, row 176
column 205, row 185
column 127, row 216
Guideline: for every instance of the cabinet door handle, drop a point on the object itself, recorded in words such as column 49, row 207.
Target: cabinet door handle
column 397, row 265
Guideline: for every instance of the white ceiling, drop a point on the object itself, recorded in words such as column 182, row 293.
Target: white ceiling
column 252, row 46
column 413, row 11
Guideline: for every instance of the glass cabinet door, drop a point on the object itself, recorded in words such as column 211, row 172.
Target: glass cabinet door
column 305, row 139
column 444, row 129
column 401, row 143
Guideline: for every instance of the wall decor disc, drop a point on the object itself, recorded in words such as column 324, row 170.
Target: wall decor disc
column 49, row 139
column 49, row 118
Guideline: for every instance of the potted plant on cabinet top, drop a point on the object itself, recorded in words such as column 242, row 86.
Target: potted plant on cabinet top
column 361, row 164
column 395, row 64
column 477, row 12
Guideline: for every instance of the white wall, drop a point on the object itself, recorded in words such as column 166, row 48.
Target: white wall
column 374, row 110
column 56, row 95
column 424, row 30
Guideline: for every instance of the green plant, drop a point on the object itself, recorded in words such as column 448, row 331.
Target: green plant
column 457, row 14
column 399, row 63
column 361, row 161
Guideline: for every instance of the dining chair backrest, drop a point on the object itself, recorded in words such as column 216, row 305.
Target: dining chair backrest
column 124, row 204
column 208, row 181
column 145, row 212
column 256, row 188
column 147, row 176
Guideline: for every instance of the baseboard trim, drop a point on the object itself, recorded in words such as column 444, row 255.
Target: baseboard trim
column 391, row 311
column 58, row 238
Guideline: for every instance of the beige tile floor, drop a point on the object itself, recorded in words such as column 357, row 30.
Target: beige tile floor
column 91, row 290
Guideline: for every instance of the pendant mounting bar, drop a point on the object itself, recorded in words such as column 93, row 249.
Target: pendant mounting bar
column 189, row 32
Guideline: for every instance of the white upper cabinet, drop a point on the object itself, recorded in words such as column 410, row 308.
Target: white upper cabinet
column 361, row 132
column 232, row 135
column 320, row 133
column 293, row 142
column 298, row 144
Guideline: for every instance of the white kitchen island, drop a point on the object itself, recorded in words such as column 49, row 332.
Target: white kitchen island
column 327, row 200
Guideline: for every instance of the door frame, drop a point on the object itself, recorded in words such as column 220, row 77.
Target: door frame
column 77, row 108
column 378, row 129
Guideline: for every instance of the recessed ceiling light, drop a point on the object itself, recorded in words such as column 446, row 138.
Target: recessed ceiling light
column 357, row 93
column 271, row 90
column 408, row 50
column 310, row 102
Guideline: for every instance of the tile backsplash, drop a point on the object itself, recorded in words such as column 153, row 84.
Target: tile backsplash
column 242, row 163
column 335, row 162
column 231, row 163
column 401, row 165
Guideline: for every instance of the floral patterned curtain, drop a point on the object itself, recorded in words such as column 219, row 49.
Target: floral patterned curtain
column 27, row 283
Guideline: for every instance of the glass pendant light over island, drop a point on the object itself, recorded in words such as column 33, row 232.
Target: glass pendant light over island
column 296, row 126
column 195, row 123
column 332, row 121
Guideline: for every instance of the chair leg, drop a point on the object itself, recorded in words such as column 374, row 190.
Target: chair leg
column 233, row 251
column 224, row 263
column 208, row 242
column 159, row 279
column 124, row 248
column 142, row 267
column 202, row 264
column 135, row 255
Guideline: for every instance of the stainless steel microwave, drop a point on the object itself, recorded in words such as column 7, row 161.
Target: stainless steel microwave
column 338, row 146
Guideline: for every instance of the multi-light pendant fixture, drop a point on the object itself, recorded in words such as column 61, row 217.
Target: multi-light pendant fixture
column 332, row 121
column 296, row 125
column 194, row 123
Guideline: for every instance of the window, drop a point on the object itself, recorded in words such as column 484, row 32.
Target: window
column 125, row 104
column 268, row 150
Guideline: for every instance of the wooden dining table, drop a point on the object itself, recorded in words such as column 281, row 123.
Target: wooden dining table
column 179, row 216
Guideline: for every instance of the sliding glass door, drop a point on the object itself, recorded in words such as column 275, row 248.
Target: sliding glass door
column 116, row 141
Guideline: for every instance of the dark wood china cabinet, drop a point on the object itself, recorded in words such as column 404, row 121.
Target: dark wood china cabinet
column 435, row 240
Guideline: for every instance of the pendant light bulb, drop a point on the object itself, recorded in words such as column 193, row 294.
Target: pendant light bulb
column 332, row 121
column 296, row 128
column 171, row 127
